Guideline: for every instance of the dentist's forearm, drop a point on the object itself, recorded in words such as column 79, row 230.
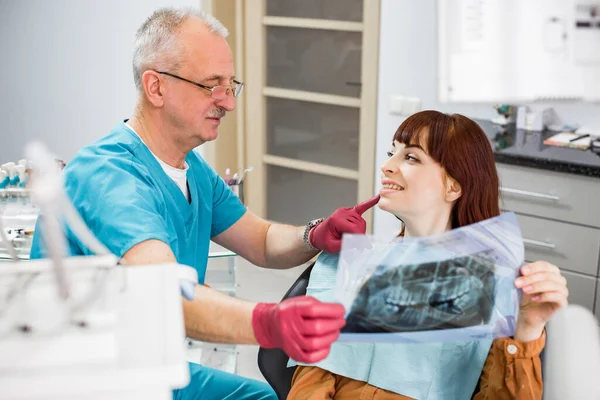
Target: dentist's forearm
column 215, row 317
column 285, row 248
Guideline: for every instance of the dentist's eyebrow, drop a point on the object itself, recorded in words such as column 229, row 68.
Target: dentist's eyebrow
column 218, row 78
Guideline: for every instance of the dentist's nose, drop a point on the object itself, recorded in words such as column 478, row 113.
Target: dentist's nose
column 227, row 103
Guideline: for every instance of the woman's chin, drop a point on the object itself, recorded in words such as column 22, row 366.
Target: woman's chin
column 385, row 205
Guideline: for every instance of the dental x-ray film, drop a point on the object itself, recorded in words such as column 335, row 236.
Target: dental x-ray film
column 455, row 286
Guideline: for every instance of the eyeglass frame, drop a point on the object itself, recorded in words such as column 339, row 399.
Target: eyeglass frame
column 239, row 85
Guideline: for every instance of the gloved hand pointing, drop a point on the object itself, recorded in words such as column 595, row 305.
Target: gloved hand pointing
column 327, row 236
column 303, row 327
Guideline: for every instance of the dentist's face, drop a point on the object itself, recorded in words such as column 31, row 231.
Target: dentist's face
column 208, row 60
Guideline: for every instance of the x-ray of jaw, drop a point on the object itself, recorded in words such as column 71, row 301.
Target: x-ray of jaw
column 453, row 293
column 454, row 286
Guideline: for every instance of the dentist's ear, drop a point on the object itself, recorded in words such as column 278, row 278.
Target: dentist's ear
column 453, row 189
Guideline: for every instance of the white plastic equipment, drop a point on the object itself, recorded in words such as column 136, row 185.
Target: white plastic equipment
column 87, row 327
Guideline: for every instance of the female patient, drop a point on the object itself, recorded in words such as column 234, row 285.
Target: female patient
column 440, row 175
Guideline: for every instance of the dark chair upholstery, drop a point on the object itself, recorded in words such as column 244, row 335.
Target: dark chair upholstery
column 273, row 362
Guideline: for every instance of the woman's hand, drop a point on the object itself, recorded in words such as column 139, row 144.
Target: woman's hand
column 544, row 292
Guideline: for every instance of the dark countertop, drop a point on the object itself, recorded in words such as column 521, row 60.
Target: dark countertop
column 527, row 149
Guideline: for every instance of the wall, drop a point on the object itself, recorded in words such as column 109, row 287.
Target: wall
column 408, row 67
column 66, row 70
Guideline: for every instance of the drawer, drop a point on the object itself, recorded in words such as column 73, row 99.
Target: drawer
column 582, row 289
column 571, row 247
column 598, row 301
column 560, row 196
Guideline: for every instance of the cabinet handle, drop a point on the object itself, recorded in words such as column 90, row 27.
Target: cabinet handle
column 530, row 194
column 537, row 243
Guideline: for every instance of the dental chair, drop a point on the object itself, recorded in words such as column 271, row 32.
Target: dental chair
column 273, row 362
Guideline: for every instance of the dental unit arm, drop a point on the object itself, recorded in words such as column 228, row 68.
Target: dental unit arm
column 86, row 327
column 572, row 359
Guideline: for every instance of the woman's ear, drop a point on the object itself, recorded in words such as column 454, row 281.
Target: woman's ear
column 453, row 189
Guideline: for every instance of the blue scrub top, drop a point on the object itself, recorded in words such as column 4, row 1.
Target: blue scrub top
column 125, row 198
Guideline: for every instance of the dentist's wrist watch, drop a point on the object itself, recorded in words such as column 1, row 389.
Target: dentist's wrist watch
column 307, row 230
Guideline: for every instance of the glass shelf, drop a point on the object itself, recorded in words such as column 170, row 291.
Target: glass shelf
column 221, row 276
column 221, row 270
column 220, row 253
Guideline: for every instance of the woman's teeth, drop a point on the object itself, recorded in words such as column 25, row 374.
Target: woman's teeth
column 392, row 186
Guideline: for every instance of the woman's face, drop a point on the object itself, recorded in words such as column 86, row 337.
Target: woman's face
column 413, row 183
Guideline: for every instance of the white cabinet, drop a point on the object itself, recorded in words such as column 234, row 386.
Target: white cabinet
column 559, row 222
column 518, row 51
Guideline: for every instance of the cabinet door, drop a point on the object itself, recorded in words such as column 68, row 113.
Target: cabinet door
column 598, row 300
column 317, row 133
column 314, row 60
column 311, row 68
column 297, row 196
column 342, row 10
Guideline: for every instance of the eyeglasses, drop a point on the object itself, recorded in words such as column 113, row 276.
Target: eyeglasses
column 218, row 92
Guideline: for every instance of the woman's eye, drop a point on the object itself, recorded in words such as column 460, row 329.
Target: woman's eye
column 412, row 158
column 389, row 154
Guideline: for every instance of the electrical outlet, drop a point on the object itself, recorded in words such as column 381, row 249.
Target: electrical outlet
column 396, row 105
column 402, row 105
column 412, row 105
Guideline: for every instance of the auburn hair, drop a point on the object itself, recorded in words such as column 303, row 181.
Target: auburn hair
column 461, row 147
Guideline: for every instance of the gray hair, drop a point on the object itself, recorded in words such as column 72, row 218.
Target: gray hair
column 156, row 45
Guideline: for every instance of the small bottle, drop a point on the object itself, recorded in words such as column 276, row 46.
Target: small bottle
column 20, row 172
column 4, row 180
column 233, row 184
column 9, row 167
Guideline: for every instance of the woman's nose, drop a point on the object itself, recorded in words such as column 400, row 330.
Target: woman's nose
column 388, row 168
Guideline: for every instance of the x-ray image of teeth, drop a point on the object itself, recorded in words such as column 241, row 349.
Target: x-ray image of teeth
column 454, row 286
column 453, row 293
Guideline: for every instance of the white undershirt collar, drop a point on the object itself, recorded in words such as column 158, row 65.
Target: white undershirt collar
column 178, row 175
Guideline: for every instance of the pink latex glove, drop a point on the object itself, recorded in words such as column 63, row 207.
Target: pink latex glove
column 327, row 236
column 303, row 327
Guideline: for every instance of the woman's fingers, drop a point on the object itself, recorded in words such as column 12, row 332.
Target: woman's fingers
column 539, row 266
column 557, row 298
column 540, row 277
column 546, row 287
